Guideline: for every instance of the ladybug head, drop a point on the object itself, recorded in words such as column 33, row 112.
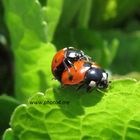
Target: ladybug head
column 73, row 54
column 96, row 77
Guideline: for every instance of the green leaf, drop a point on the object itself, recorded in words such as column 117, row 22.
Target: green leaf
column 8, row 135
column 25, row 21
column 32, row 52
column 108, row 48
column 104, row 115
column 70, row 10
column 7, row 106
column 106, row 14
column 84, row 14
column 52, row 13
column 109, row 52
column 101, row 48
column 129, row 40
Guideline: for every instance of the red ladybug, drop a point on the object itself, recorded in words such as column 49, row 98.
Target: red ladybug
column 87, row 74
column 64, row 59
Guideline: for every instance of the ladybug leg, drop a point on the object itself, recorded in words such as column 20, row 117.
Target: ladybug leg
column 62, row 86
column 100, row 91
column 89, row 89
column 54, row 78
column 86, row 57
column 91, row 86
column 80, row 86
column 71, row 64
column 69, row 48
column 66, row 67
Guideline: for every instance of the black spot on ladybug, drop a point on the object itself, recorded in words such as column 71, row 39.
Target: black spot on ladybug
column 70, row 77
column 56, row 61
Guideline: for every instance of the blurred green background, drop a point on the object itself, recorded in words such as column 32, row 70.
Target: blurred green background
column 108, row 31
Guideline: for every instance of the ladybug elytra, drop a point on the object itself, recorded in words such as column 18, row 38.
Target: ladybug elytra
column 71, row 66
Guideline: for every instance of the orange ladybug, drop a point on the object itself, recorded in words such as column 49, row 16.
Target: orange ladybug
column 87, row 74
column 64, row 59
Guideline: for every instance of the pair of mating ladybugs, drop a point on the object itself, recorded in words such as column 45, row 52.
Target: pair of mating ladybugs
column 71, row 66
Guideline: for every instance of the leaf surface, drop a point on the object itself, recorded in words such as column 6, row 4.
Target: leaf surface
column 113, row 114
column 33, row 52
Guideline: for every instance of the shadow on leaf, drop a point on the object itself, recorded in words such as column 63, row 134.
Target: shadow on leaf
column 77, row 100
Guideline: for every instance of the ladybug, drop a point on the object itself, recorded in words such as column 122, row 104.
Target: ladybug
column 87, row 74
column 64, row 59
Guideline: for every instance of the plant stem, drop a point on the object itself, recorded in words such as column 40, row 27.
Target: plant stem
column 84, row 15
